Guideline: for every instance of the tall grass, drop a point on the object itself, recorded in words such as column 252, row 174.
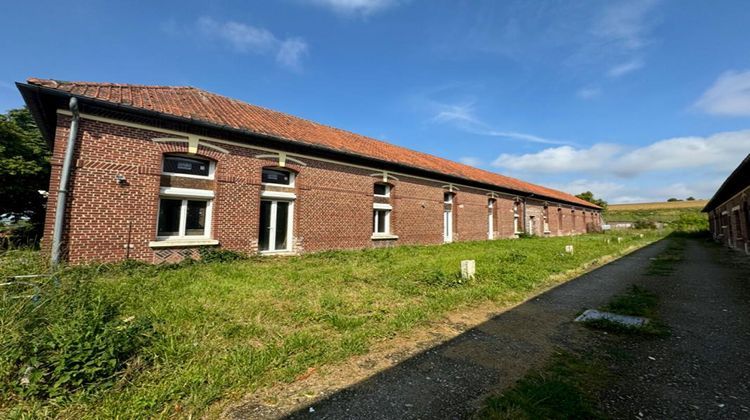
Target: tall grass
column 224, row 329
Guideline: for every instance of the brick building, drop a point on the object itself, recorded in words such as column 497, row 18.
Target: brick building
column 729, row 209
column 158, row 172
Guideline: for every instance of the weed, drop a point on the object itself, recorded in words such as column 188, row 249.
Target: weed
column 563, row 389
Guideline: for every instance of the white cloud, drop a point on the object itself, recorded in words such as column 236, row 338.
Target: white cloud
column 625, row 23
column 471, row 161
column 588, row 93
column 355, row 7
column 463, row 117
column 559, row 159
column 621, row 31
column 599, row 188
column 291, row 52
column 625, row 68
column 729, row 95
column 718, row 152
column 250, row 39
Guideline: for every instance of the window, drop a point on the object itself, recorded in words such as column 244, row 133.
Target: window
column 545, row 218
column 187, row 166
column 448, row 197
column 382, row 190
column 381, row 219
column 277, row 176
column 559, row 220
column 516, row 219
column 183, row 218
column 490, row 218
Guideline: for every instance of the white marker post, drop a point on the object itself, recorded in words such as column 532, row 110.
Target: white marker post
column 468, row 269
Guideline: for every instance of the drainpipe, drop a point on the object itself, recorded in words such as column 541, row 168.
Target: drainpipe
column 62, row 192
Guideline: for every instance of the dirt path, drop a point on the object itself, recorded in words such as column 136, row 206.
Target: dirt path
column 452, row 379
column 702, row 370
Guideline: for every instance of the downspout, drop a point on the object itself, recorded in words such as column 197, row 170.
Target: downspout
column 62, row 192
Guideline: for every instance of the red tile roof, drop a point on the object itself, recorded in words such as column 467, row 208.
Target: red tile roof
column 197, row 104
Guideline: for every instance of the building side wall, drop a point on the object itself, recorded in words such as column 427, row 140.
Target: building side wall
column 108, row 221
column 730, row 222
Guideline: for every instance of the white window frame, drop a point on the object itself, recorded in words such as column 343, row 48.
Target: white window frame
column 491, row 219
column 186, row 194
column 516, row 219
column 211, row 166
column 447, row 226
column 292, row 177
column 388, row 209
column 545, row 219
column 272, row 234
column 387, row 190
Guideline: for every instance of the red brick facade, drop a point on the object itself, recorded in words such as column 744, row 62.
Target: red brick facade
column 108, row 220
column 730, row 221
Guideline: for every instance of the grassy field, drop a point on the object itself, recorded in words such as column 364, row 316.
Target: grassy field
column 215, row 331
column 680, row 212
column 664, row 205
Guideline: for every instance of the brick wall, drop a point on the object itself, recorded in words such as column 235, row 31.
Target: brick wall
column 332, row 210
column 730, row 222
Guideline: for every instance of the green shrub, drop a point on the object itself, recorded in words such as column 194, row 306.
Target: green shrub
column 644, row 224
column 443, row 279
column 210, row 255
column 691, row 222
column 71, row 340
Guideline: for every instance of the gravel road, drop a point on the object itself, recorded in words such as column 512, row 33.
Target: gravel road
column 702, row 370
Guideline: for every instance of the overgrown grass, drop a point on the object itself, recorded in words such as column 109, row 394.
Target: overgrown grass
column 637, row 301
column 227, row 328
column 564, row 389
column 664, row 263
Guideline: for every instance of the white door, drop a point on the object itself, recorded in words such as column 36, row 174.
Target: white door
column 448, row 226
column 490, row 226
column 275, row 226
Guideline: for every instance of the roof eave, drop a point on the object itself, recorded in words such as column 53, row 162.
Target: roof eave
column 43, row 117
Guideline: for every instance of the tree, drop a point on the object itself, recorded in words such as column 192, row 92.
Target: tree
column 691, row 198
column 24, row 164
column 589, row 196
column 669, row 200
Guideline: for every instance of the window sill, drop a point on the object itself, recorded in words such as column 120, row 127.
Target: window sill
column 277, row 253
column 383, row 237
column 169, row 243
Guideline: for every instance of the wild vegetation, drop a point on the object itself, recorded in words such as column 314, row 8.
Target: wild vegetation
column 680, row 215
column 565, row 388
column 133, row 340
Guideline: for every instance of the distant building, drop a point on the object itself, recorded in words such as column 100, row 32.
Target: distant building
column 160, row 171
column 729, row 209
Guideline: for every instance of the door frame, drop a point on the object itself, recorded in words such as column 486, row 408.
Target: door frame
column 272, row 229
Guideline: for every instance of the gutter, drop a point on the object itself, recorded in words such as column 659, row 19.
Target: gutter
column 62, row 192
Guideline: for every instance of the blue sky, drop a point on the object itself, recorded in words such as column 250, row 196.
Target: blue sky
column 635, row 100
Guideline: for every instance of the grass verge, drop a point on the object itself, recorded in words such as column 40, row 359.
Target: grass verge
column 219, row 330
column 563, row 389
